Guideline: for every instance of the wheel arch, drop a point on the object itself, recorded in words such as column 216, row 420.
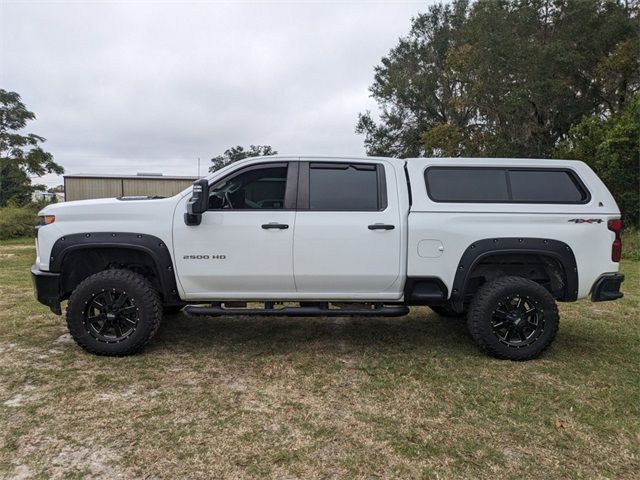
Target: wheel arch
column 80, row 255
column 515, row 255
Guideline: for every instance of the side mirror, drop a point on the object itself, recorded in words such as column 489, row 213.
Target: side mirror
column 199, row 202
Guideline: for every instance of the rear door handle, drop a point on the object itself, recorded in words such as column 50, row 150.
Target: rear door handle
column 277, row 226
column 381, row 226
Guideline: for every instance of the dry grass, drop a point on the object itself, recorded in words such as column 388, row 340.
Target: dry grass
column 343, row 398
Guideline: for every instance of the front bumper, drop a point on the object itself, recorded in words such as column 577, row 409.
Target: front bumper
column 607, row 287
column 46, row 286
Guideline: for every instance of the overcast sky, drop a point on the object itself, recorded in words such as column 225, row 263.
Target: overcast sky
column 131, row 86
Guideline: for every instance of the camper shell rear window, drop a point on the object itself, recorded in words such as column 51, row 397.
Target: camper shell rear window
column 504, row 185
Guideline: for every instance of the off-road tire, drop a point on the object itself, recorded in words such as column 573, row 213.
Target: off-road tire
column 144, row 299
column 486, row 302
column 448, row 312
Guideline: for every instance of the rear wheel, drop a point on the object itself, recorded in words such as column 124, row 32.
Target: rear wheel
column 114, row 312
column 513, row 318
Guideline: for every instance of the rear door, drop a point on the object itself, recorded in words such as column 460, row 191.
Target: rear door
column 347, row 238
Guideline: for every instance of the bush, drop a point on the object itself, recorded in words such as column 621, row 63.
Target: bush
column 17, row 222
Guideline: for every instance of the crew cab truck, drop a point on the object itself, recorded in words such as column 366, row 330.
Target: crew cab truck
column 496, row 240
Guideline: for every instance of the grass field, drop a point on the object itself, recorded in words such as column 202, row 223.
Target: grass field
column 314, row 398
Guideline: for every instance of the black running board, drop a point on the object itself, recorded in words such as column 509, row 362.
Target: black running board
column 216, row 311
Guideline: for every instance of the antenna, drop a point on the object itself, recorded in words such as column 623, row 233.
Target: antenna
column 198, row 167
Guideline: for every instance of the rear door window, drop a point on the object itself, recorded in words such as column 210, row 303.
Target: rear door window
column 344, row 187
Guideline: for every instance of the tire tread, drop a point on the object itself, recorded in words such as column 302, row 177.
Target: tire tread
column 482, row 300
column 150, row 297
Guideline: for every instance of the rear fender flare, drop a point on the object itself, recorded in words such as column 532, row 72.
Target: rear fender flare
column 481, row 249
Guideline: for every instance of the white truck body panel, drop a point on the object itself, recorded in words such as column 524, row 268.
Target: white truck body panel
column 457, row 225
column 337, row 256
column 152, row 217
column 244, row 258
column 333, row 255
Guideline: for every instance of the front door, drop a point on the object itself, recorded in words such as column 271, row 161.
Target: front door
column 242, row 247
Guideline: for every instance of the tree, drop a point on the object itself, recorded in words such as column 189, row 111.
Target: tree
column 611, row 147
column 416, row 88
column 534, row 68
column 21, row 155
column 502, row 78
column 15, row 185
column 234, row 154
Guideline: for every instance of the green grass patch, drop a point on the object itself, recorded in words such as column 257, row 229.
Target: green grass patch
column 409, row 397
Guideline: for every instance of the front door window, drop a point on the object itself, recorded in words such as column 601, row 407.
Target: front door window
column 252, row 189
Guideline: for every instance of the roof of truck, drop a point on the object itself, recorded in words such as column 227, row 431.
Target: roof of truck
column 498, row 161
column 325, row 157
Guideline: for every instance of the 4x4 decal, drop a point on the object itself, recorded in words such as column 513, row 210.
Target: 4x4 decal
column 586, row 220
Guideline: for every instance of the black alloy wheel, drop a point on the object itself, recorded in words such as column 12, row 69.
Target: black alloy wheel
column 111, row 316
column 517, row 321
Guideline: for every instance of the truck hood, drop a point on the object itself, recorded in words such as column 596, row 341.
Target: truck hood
column 111, row 209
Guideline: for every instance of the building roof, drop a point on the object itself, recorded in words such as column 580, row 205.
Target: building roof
column 135, row 177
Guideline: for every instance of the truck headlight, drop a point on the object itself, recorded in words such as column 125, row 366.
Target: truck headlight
column 46, row 219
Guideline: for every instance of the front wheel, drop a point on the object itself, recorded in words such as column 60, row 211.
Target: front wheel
column 114, row 312
column 513, row 318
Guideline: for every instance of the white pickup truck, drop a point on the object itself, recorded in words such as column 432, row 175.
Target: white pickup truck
column 497, row 240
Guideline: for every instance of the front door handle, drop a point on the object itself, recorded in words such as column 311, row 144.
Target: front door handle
column 381, row 226
column 277, row 226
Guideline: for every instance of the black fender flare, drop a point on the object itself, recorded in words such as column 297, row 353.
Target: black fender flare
column 481, row 249
column 153, row 246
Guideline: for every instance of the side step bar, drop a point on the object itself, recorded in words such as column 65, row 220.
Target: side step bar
column 218, row 311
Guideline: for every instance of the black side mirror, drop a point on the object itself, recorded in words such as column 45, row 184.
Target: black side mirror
column 199, row 202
